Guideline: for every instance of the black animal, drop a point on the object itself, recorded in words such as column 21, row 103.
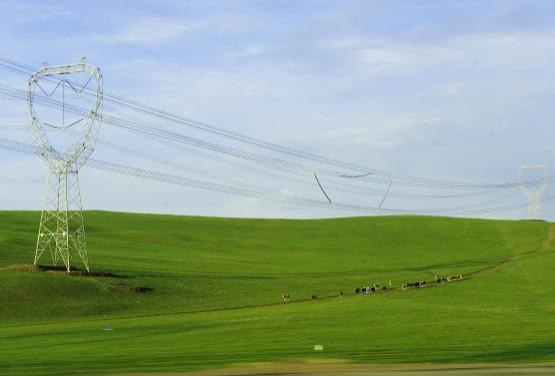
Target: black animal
column 357, row 290
column 341, row 293
column 373, row 289
column 314, row 297
column 384, row 288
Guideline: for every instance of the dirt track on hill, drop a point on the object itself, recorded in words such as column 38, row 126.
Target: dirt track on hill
column 550, row 236
column 546, row 244
column 347, row 369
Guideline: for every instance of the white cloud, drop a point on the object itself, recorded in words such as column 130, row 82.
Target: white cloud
column 391, row 133
column 471, row 52
column 150, row 31
column 341, row 43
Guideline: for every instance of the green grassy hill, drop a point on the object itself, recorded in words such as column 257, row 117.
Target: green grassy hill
column 195, row 292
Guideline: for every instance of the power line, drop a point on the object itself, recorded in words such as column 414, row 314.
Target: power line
column 386, row 194
column 252, row 192
column 203, row 144
column 372, row 175
column 53, row 103
column 322, row 189
column 149, row 131
column 335, row 186
column 193, row 183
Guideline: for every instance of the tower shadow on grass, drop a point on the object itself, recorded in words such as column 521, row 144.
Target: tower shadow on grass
column 74, row 271
column 78, row 272
column 115, row 286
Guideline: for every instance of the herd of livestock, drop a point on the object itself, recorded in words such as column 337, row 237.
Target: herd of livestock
column 376, row 287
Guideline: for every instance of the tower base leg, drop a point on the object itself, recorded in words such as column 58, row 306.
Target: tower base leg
column 61, row 230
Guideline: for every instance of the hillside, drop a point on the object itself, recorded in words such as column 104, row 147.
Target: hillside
column 195, row 292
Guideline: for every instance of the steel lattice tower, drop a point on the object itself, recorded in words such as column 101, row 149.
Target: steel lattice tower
column 534, row 197
column 61, row 230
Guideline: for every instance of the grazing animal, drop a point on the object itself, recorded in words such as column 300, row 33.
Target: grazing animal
column 373, row 289
column 363, row 290
column 286, row 298
column 314, row 297
column 439, row 280
column 341, row 293
column 357, row 290
column 384, row 288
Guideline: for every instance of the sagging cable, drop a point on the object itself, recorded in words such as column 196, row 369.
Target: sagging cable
column 386, row 194
column 323, row 191
column 356, row 176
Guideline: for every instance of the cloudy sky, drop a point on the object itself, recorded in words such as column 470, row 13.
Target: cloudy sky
column 453, row 90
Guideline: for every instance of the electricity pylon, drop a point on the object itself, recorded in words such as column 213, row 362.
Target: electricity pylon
column 533, row 196
column 61, row 230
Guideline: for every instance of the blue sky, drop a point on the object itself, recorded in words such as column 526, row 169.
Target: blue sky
column 459, row 90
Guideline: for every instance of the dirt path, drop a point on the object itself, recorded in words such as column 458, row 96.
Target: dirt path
column 343, row 369
column 550, row 236
column 546, row 244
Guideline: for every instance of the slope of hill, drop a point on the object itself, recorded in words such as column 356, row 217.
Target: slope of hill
column 183, row 293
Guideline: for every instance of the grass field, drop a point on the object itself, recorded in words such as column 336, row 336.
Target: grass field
column 215, row 285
